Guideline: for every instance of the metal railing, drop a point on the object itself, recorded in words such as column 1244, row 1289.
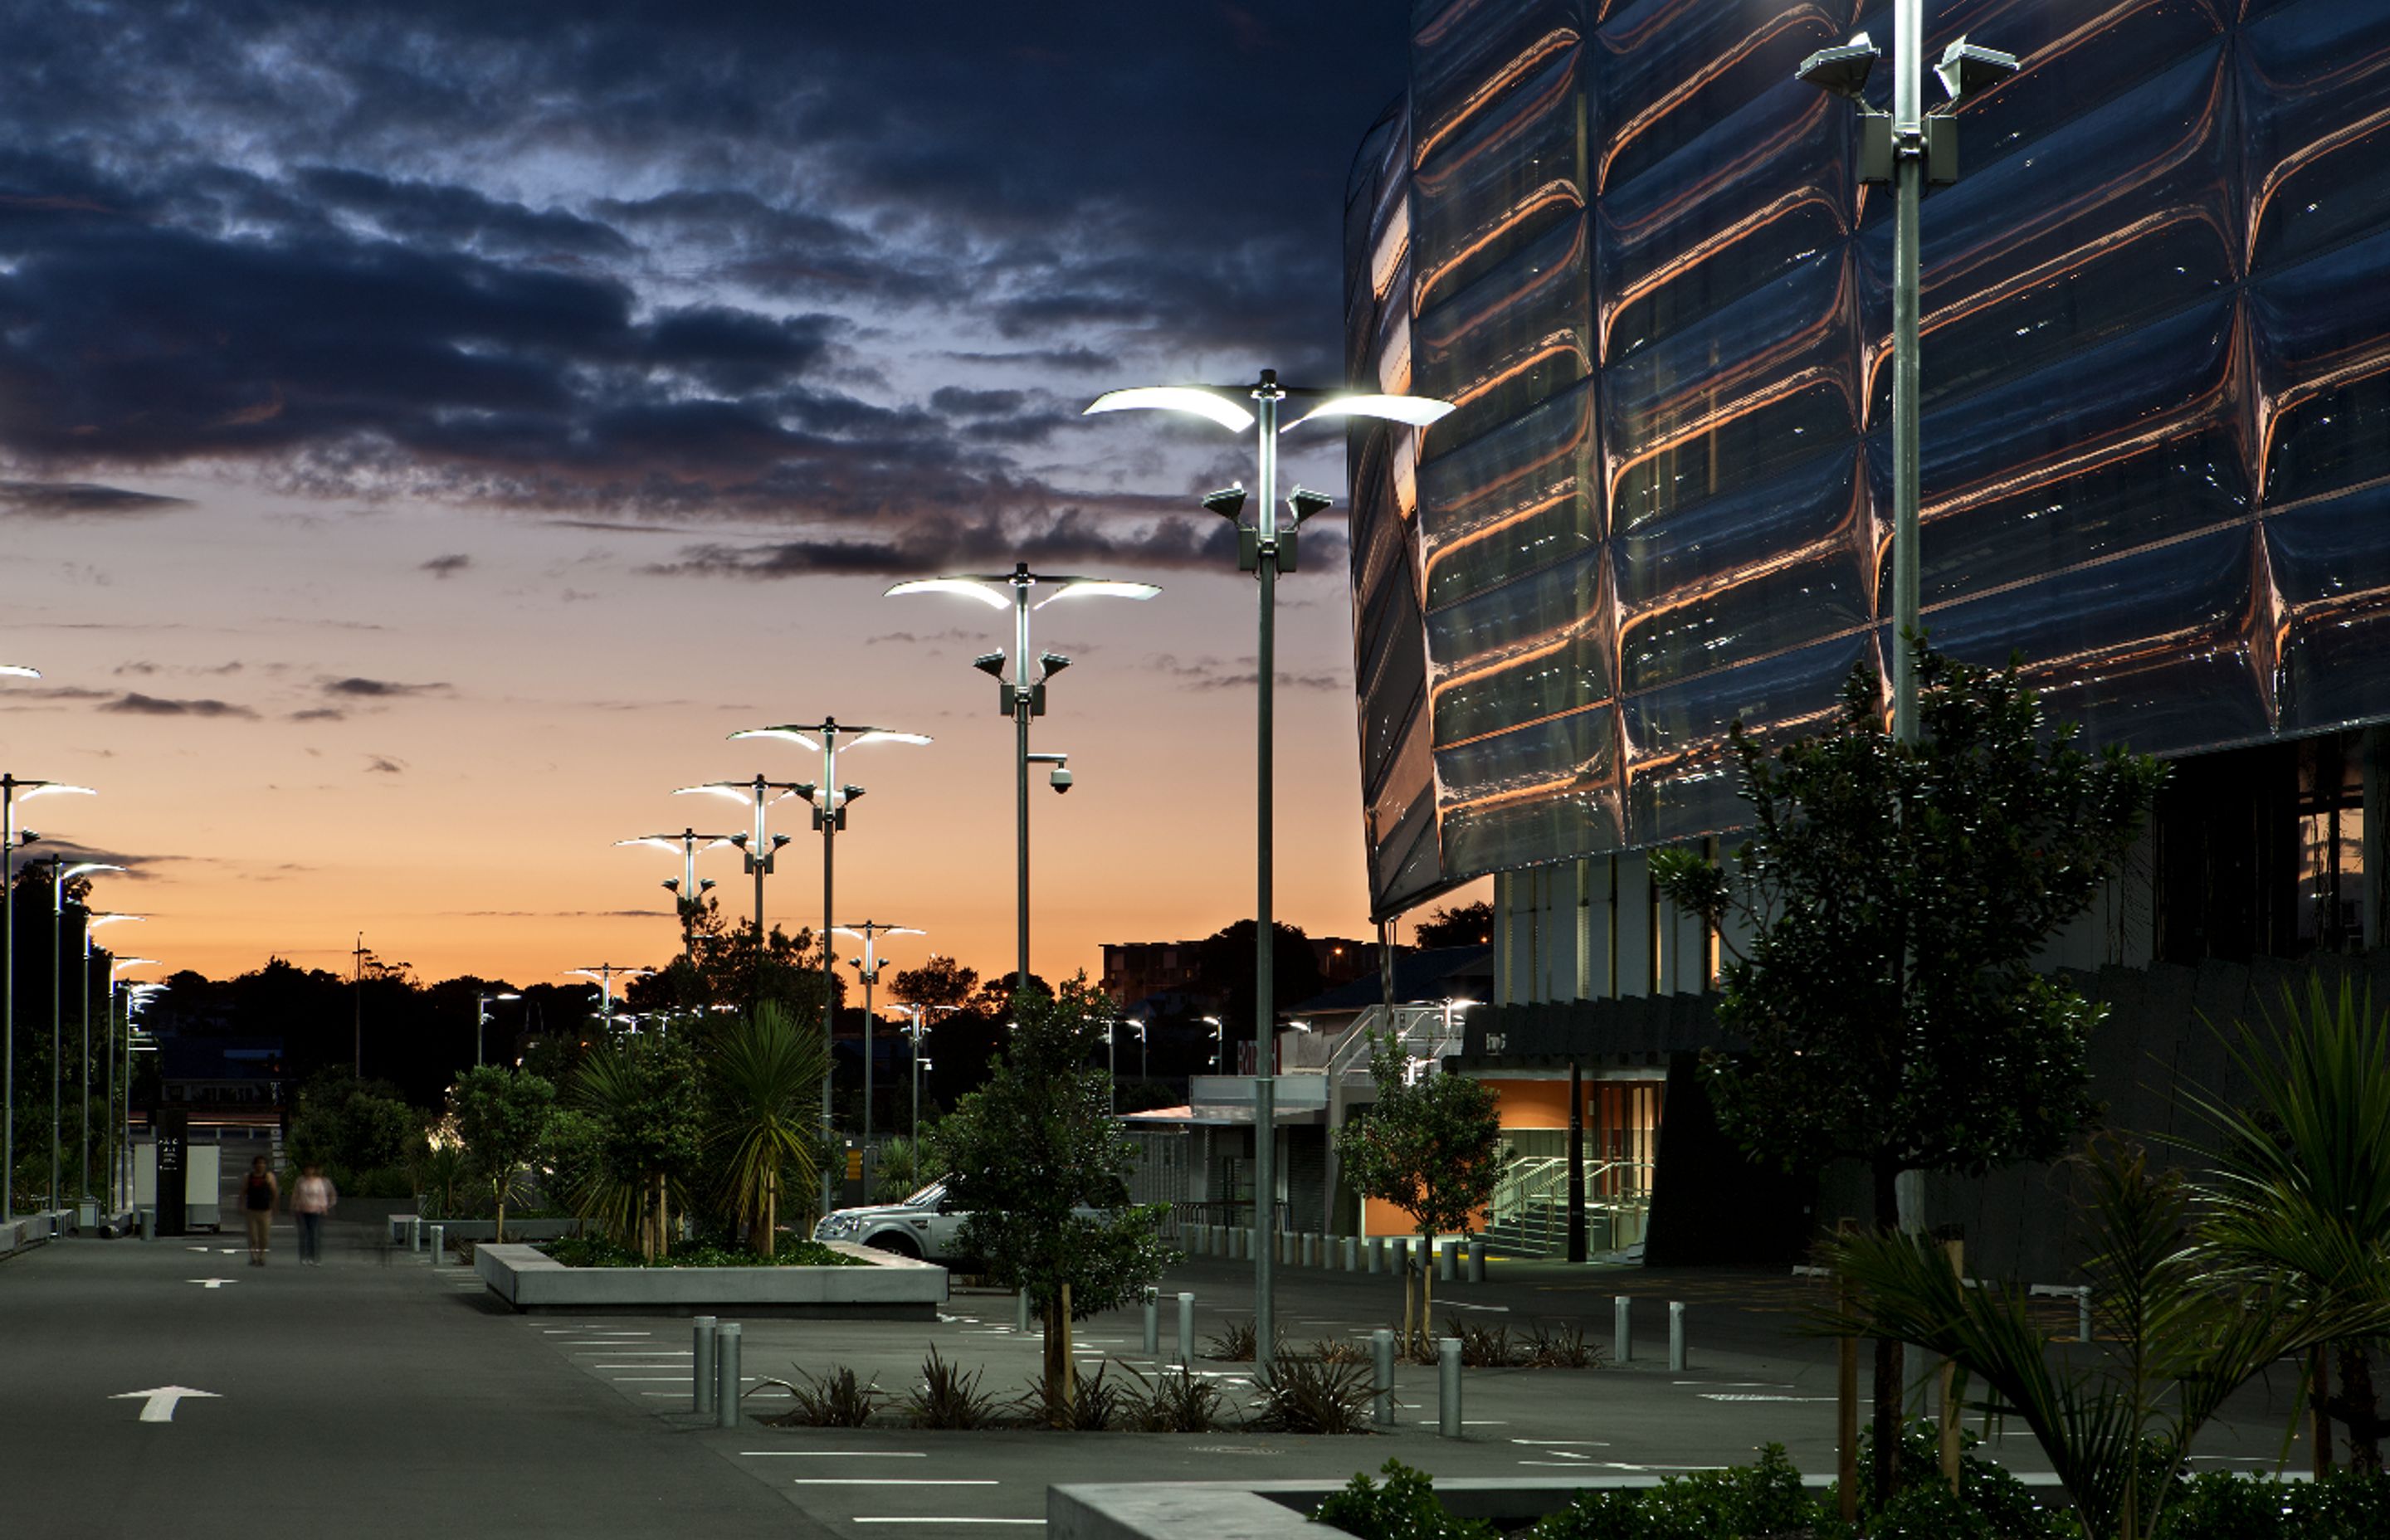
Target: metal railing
column 1529, row 1210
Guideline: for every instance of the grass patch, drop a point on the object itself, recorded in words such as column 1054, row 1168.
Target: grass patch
column 598, row 1252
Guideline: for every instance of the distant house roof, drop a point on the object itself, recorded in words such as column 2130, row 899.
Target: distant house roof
column 1431, row 974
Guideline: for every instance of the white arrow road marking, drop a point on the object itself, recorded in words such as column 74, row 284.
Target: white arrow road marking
column 157, row 1406
column 211, row 1283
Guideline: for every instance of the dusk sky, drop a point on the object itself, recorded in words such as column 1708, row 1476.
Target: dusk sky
column 430, row 428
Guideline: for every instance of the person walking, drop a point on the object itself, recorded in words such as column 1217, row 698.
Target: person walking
column 259, row 1193
column 310, row 1200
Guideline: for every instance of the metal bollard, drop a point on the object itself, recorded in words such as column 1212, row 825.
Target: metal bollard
column 1477, row 1258
column 1021, row 1313
column 1152, row 1324
column 1377, row 1247
column 1187, row 1331
column 1381, row 1355
column 1448, row 1387
column 1622, row 1340
column 438, row 1242
column 2083, row 1313
column 415, row 1233
column 148, row 1224
column 700, row 1377
column 1398, row 1253
column 1444, row 1259
column 1352, row 1253
column 1310, row 1249
column 726, row 1375
column 1677, row 1336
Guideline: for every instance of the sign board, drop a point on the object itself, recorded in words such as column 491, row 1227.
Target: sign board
column 173, row 1125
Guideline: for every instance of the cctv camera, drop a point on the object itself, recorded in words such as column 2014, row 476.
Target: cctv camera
column 1060, row 779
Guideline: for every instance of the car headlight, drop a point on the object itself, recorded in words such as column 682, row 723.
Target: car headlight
column 835, row 1226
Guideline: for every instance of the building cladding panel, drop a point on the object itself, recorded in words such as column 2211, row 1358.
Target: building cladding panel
column 1632, row 249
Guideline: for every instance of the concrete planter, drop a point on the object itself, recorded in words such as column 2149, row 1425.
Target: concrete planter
column 891, row 1287
column 480, row 1230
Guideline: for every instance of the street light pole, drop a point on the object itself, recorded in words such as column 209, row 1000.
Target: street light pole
column 481, row 1017
column 13, row 791
column 1265, row 550
column 829, row 804
column 758, row 845
column 60, row 875
column 869, row 965
column 115, row 966
column 1022, row 695
column 688, row 889
column 92, row 922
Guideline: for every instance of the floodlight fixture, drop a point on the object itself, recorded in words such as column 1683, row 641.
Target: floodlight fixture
column 1842, row 70
column 1305, row 503
column 1228, row 501
column 989, row 663
column 1053, row 662
column 1969, row 69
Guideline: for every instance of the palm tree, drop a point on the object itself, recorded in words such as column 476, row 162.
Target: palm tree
column 766, row 1081
column 2176, row 1338
column 2301, row 1185
column 644, row 1093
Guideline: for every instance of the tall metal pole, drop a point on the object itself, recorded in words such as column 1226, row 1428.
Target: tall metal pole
column 1265, row 923
column 828, row 814
column 8, row 997
column 82, row 1117
column 57, row 1038
column 1907, row 178
column 358, row 1067
column 1023, row 707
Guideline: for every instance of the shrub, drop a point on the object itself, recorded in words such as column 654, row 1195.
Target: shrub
column 1174, row 1401
column 2220, row 1507
column 2005, row 1503
column 1742, row 1503
column 1093, row 1405
column 835, row 1400
column 1482, row 1347
column 949, row 1398
column 1303, row 1395
column 1339, row 1350
column 1233, row 1343
column 1404, row 1508
column 1559, row 1346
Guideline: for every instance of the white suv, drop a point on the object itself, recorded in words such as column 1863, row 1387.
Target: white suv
column 923, row 1225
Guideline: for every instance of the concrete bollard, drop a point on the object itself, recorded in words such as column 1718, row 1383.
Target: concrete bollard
column 1622, row 1340
column 1444, row 1259
column 726, row 1375
column 1448, row 1387
column 701, row 1375
column 1152, row 1324
column 1677, row 1336
column 1477, row 1258
column 1381, row 1357
column 148, row 1224
column 415, row 1233
column 1187, row 1331
column 1021, row 1313
column 1310, row 1249
column 1398, row 1253
column 1351, row 1254
column 438, row 1242
column 1377, row 1247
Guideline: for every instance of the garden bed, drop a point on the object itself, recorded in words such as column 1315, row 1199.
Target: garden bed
column 861, row 1284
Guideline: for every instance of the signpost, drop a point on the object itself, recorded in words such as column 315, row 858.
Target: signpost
column 173, row 1135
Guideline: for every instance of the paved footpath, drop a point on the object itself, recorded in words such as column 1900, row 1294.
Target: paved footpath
column 379, row 1395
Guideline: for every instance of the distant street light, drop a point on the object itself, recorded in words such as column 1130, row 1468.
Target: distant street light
column 134, row 995
column 606, row 974
column 1023, row 696
column 758, row 845
column 60, row 875
column 1265, row 550
column 1219, row 1041
column 918, row 1034
column 481, row 1017
column 826, row 737
column 869, row 932
column 688, row 890
column 1138, row 1026
column 12, row 840
column 92, row 922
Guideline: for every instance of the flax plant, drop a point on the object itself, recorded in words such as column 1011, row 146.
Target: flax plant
column 766, row 1081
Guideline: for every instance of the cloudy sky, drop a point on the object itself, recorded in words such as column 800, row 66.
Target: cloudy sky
column 426, row 430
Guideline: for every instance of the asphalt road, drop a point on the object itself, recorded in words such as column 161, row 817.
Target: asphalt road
column 379, row 1395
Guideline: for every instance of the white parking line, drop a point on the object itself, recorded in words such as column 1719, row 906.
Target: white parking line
column 910, row 1519
column 835, row 1453
column 650, row 1378
column 892, row 1481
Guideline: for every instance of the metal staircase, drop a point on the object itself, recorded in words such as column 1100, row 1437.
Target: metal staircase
column 1529, row 1213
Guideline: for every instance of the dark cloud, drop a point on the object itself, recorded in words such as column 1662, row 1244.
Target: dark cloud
column 382, row 765
column 81, row 500
column 1069, row 539
column 446, row 566
column 320, row 713
column 752, row 226
column 377, row 689
column 134, row 703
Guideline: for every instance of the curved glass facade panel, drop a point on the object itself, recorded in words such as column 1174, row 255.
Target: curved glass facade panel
column 1634, row 251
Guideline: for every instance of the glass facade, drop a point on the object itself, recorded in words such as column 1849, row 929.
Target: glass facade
column 1631, row 247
